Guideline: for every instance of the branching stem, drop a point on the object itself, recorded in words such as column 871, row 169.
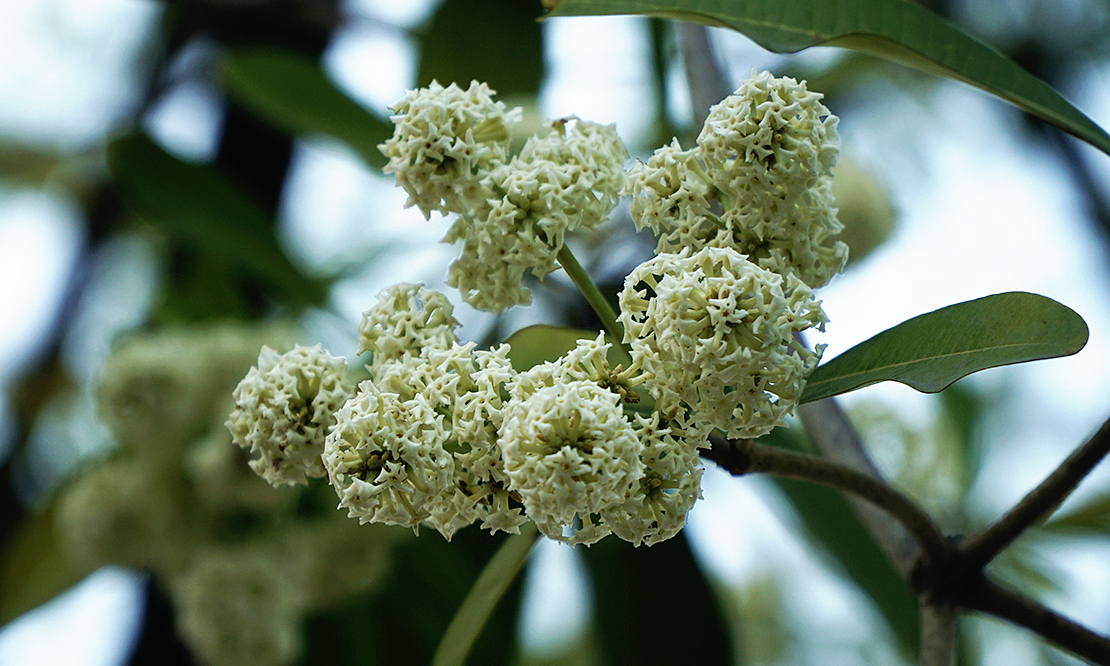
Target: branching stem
column 771, row 460
column 984, row 595
column 980, row 548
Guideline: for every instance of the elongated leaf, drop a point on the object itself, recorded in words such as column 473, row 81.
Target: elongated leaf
column 292, row 92
column 1091, row 517
column 194, row 203
column 897, row 30
column 483, row 597
column 495, row 41
column 931, row 351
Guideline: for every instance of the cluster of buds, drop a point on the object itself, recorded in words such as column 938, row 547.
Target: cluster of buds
column 446, row 435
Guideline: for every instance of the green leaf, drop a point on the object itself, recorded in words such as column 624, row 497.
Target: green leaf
column 933, row 350
column 655, row 605
column 483, row 597
column 1091, row 517
column 194, row 203
column 897, row 30
column 292, row 92
column 541, row 343
column 494, row 41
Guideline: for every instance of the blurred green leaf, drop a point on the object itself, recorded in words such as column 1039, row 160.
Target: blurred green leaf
column 402, row 624
column 1090, row 516
column 35, row 567
column 654, row 605
column 292, row 92
column 193, row 203
column 897, row 30
column 497, row 42
column 932, row 350
column 832, row 523
column 491, row 585
column 541, row 343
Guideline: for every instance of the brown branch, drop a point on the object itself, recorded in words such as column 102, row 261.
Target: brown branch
column 759, row 458
column 980, row 548
column 938, row 634
column 984, row 595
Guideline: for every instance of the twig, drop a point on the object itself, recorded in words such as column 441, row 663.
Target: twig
column 980, row 548
column 984, row 595
column 788, row 464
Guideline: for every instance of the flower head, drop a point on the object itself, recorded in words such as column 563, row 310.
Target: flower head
column 770, row 148
column 406, row 319
column 570, row 454
column 671, row 484
column 568, row 178
column 770, row 133
column 385, row 457
column 444, row 142
column 713, row 334
column 283, row 409
column 674, row 197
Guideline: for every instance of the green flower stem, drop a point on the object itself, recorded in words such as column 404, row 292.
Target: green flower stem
column 491, row 585
column 604, row 311
column 750, row 457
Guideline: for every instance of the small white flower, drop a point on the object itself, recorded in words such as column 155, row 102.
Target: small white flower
column 445, row 141
column 283, row 409
column 569, row 454
column 713, row 334
column 406, row 319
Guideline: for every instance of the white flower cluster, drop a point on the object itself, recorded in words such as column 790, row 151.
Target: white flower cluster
column 759, row 181
column 713, row 334
column 445, row 141
column 449, row 153
column 582, row 467
column 744, row 222
column 445, row 435
column 283, row 408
